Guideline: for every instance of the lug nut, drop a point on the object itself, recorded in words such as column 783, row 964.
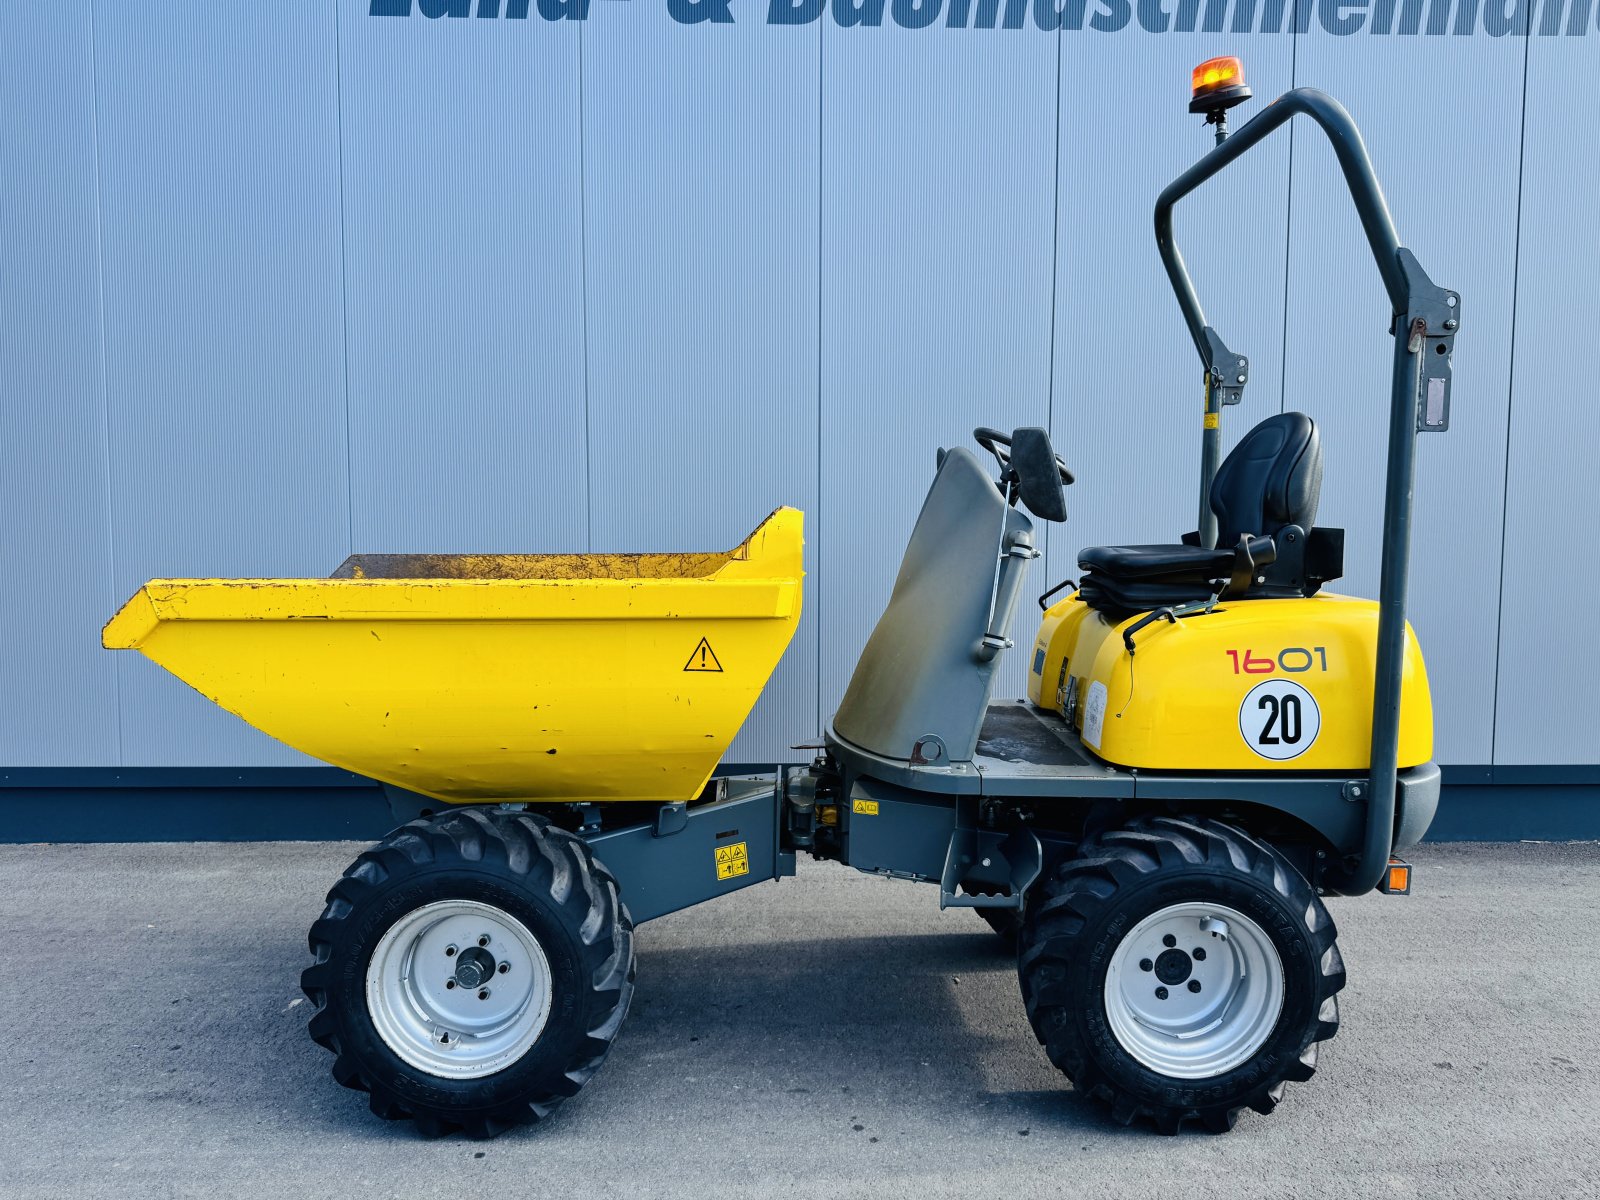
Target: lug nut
column 1194, row 985
column 448, row 984
column 1199, row 954
column 1161, row 993
column 483, row 995
column 504, row 967
column 449, row 951
column 1146, row 965
column 1169, row 941
column 483, row 940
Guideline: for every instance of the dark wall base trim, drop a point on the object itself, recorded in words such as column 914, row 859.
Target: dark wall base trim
column 199, row 804
column 313, row 804
column 203, row 804
column 1560, row 775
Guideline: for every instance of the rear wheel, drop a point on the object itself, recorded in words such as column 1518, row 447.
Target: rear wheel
column 472, row 971
column 1180, row 970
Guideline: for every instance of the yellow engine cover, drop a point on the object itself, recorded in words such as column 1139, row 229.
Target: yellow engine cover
column 1253, row 685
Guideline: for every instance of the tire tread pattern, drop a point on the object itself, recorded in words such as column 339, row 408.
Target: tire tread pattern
column 1080, row 889
column 542, row 858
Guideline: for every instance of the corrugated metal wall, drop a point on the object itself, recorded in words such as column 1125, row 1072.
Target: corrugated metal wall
column 279, row 281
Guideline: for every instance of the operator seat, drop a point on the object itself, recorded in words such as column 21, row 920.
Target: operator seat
column 1265, row 499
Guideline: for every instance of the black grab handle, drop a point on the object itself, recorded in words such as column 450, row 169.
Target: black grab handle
column 1044, row 600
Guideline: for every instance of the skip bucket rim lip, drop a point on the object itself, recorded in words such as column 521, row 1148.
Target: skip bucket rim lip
column 761, row 580
column 394, row 601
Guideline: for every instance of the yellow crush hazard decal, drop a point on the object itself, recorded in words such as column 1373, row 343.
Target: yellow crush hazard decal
column 733, row 860
column 867, row 808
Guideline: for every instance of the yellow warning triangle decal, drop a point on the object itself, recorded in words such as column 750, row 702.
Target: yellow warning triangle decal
column 704, row 658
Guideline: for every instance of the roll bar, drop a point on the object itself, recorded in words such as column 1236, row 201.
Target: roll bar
column 1424, row 322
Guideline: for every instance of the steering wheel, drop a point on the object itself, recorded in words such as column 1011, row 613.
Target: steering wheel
column 999, row 445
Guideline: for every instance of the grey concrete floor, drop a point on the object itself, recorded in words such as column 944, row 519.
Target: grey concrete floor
column 830, row 1035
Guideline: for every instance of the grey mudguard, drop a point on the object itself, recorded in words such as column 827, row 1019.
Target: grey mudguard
column 921, row 687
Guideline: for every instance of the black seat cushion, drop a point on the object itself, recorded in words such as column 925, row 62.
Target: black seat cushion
column 1271, row 479
column 1119, row 597
column 1141, row 562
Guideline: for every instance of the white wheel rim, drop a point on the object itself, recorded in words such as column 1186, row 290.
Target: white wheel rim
column 459, row 989
column 1194, row 990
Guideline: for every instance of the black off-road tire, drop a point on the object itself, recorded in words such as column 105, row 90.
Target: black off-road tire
column 1078, row 916
column 518, row 862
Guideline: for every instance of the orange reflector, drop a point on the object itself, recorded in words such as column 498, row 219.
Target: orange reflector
column 1215, row 74
column 1397, row 879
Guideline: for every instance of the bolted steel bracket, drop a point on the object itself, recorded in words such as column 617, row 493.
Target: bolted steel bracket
column 1228, row 372
column 1433, row 315
column 670, row 819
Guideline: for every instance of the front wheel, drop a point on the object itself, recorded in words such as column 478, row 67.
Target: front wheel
column 472, row 971
column 1180, row 970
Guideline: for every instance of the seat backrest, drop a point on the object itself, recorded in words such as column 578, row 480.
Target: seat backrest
column 1272, row 478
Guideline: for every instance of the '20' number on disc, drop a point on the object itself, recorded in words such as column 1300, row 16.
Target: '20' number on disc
column 1279, row 719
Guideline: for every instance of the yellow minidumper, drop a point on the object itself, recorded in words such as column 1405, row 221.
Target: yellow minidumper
column 1211, row 744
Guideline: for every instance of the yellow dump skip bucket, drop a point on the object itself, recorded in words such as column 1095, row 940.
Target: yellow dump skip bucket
column 493, row 677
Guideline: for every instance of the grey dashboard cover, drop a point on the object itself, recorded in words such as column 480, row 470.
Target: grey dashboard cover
column 919, row 673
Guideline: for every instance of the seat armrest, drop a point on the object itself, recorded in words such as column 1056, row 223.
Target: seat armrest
column 1250, row 553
